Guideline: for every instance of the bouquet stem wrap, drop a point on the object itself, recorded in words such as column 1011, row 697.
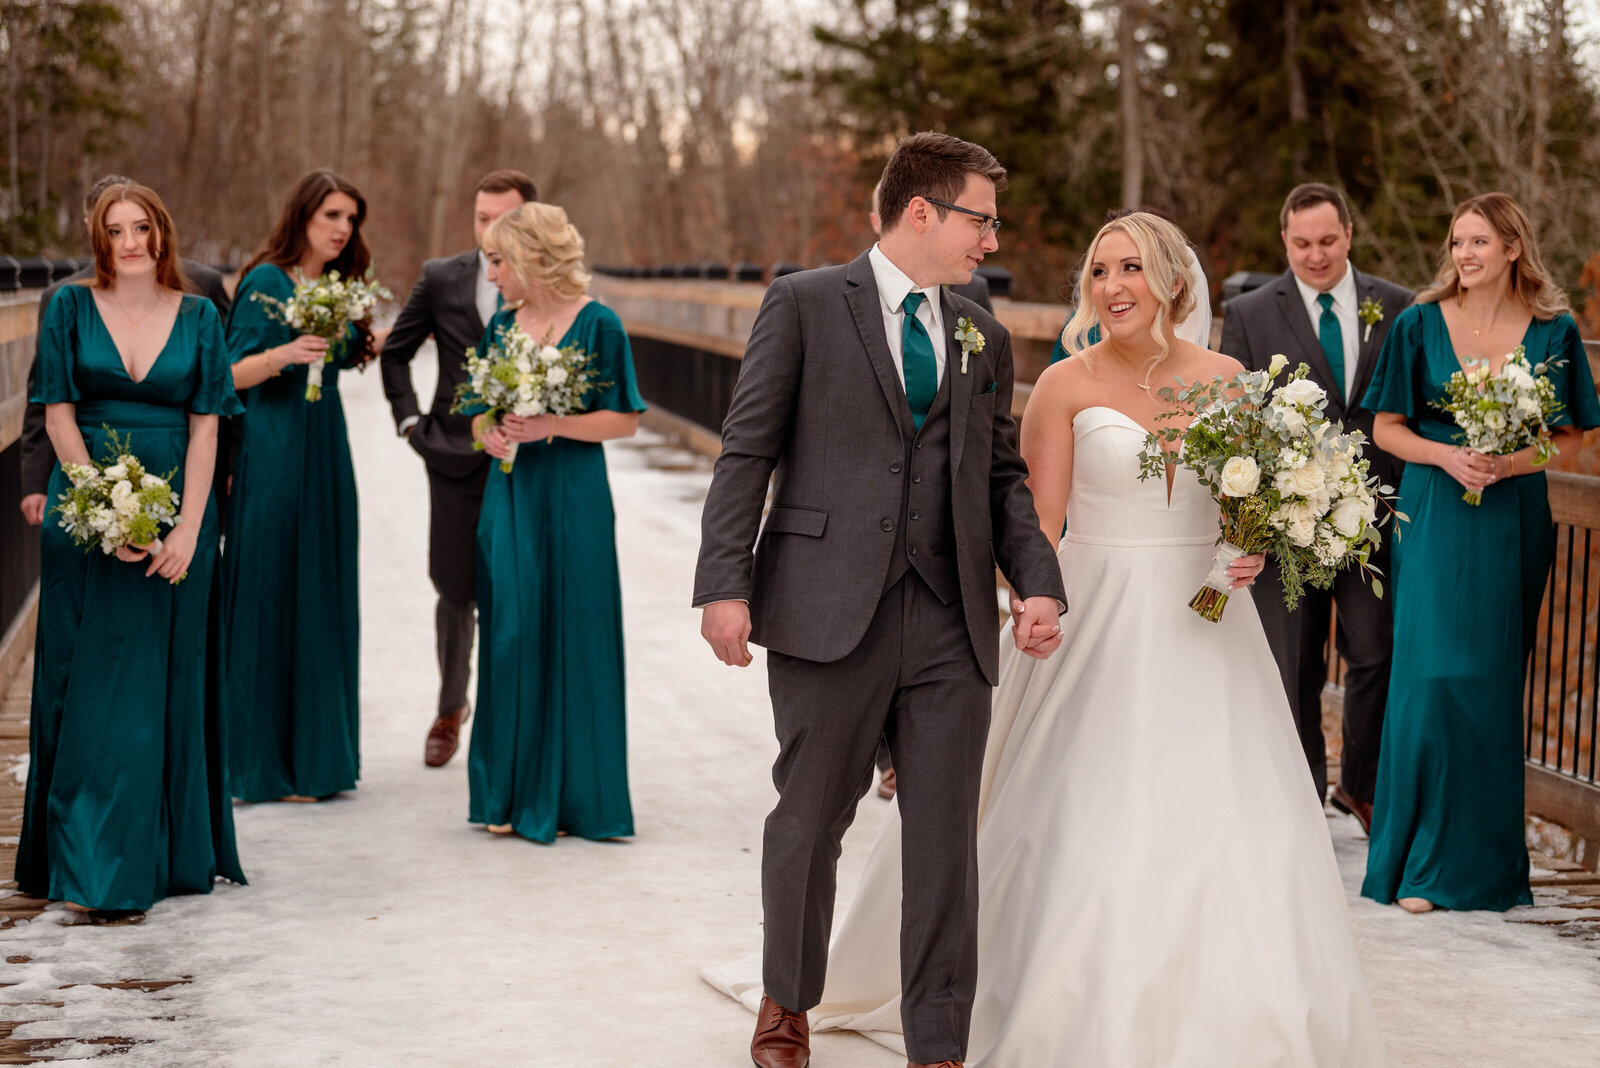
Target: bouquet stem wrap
column 314, row 380
column 1213, row 596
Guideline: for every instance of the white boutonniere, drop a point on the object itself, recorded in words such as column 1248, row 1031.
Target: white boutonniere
column 971, row 340
column 1370, row 311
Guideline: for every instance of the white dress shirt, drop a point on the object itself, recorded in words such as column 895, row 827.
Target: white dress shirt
column 893, row 285
column 488, row 295
column 1344, row 309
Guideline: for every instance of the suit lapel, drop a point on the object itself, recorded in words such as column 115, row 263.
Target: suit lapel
column 467, row 291
column 1294, row 311
column 960, row 384
column 862, row 295
column 1371, row 338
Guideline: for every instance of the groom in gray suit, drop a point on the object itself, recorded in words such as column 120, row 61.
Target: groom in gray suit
column 1330, row 316
column 898, row 487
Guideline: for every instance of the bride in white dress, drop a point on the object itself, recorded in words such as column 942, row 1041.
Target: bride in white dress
column 1158, row 887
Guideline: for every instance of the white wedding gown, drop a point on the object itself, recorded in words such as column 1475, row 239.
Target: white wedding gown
column 1158, row 887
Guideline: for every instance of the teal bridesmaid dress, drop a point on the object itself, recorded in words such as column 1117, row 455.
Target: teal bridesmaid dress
column 1467, row 586
column 549, row 748
column 292, row 609
column 127, row 797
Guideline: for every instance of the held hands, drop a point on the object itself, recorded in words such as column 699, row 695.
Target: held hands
column 307, row 348
column 1034, row 626
column 177, row 550
column 493, row 436
column 33, row 509
column 528, row 428
column 725, row 625
column 1243, row 571
column 1472, row 469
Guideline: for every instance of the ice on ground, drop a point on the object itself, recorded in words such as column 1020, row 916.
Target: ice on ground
column 382, row 928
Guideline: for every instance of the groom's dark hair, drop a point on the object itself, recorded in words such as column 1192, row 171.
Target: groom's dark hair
column 1309, row 195
column 933, row 166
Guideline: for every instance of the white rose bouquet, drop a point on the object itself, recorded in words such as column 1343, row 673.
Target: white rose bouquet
column 326, row 307
column 117, row 502
column 519, row 377
column 1504, row 413
column 1288, row 482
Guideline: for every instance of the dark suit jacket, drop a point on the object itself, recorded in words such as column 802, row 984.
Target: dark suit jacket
column 820, row 402
column 1264, row 322
column 38, row 456
column 443, row 304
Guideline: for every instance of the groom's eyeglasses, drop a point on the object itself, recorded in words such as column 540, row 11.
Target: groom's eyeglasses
column 990, row 223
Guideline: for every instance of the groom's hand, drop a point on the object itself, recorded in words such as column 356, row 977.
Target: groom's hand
column 725, row 625
column 1034, row 626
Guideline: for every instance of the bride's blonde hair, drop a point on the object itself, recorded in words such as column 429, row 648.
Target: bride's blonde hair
column 1164, row 258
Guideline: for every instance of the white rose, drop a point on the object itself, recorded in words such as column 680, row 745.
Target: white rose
column 1348, row 515
column 1302, row 392
column 555, row 375
column 152, row 481
column 1330, row 550
column 1307, row 479
column 1518, row 375
column 117, row 471
column 1527, row 408
column 1318, row 502
column 1302, row 526
column 550, row 354
column 1494, row 420
column 1279, row 362
column 1241, row 476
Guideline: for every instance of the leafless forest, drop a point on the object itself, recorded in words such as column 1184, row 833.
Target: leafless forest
column 732, row 130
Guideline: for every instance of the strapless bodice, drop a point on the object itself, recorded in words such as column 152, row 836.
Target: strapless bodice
column 1110, row 505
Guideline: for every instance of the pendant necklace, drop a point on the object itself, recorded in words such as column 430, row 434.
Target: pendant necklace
column 132, row 321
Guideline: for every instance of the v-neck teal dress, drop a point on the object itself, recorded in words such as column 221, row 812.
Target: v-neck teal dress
column 1468, row 581
column 292, row 608
column 127, row 800
column 549, row 744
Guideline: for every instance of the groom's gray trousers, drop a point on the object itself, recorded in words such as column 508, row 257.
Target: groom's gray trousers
column 915, row 681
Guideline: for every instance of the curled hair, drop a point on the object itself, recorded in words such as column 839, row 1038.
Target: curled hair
column 933, row 166
column 163, row 244
column 288, row 242
column 542, row 248
column 1531, row 283
column 1164, row 260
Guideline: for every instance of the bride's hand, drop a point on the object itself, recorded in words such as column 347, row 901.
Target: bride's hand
column 1243, row 571
column 1034, row 626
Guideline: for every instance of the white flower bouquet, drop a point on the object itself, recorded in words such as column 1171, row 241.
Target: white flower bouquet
column 326, row 307
column 517, row 376
column 1504, row 413
column 1288, row 482
column 117, row 502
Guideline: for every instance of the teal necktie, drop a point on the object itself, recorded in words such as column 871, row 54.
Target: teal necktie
column 916, row 356
column 1332, row 339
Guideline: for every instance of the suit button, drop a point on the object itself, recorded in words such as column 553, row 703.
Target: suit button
column 916, row 478
column 918, row 445
column 912, row 550
column 887, row 524
column 914, row 515
column 894, row 467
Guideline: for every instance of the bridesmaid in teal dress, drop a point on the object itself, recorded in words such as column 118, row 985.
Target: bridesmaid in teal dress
column 549, row 749
column 292, row 607
column 127, row 799
column 1447, row 827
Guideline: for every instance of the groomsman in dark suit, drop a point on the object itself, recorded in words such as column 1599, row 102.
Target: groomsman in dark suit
column 38, row 456
column 1325, row 313
column 452, row 303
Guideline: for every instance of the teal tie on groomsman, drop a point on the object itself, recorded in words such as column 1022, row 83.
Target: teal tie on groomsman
column 1332, row 339
column 916, row 356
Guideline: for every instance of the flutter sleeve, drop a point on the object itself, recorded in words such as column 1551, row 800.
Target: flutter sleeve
column 58, row 349
column 1394, row 380
column 213, row 393
column 473, row 405
column 1574, row 381
column 613, row 357
column 250, row 329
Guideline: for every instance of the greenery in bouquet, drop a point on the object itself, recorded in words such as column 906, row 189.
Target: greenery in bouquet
column 1288, row 482
column 521, row 377
column 1503, row 413
column 116, row 502
column 325, row 307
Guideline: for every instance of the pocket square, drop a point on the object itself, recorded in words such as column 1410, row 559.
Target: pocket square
column 991, row 387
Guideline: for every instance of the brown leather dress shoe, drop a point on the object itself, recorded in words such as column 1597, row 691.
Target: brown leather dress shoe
column 444, row 737
column 783, row 1038
column 1361, row 810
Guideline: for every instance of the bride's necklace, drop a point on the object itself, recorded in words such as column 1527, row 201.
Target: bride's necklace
column 1145, row 385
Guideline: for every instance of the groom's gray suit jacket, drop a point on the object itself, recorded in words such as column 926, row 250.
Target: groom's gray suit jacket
column 859, row 499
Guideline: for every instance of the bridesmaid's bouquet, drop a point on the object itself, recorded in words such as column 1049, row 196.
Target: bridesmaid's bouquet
column 326, row 307
column 117, row 502
column 1503, row 413
column 1289, row 484
column 517, row 376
